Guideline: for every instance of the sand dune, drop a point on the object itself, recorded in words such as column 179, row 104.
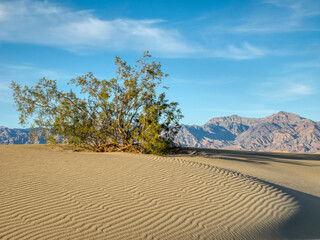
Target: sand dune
column 295, row 174
column 49, row 194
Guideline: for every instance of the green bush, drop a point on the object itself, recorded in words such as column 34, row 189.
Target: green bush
column 123, row 113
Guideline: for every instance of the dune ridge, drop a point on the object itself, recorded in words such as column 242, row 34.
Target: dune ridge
column 47, row 194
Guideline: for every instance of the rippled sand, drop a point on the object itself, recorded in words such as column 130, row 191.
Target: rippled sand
column 51, row 194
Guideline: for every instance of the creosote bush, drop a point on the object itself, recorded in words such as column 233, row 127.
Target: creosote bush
column 125, row 113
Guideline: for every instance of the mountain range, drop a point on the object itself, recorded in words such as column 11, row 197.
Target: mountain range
column 16, row 136
column 282, row 131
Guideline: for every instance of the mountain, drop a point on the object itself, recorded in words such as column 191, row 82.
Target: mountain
column 282, row 131
column 16, row 136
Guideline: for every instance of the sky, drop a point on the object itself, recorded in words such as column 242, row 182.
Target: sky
column 224, row 57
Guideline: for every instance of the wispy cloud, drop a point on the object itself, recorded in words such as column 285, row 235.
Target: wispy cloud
column 255, row 112
column 26, row 73
column 47, row 23
column 286, row 90
column 306, row 64
column 4, row 86
column 280, row 16
column 298, row 89
column 28, row 21
column 5, row 93
column 212, row 82
column 6, row 97
column 243, row 52
column 299, row 8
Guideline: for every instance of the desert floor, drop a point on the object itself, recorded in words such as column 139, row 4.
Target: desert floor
column 209, row 194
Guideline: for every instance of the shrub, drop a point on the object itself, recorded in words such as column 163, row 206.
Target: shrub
column 124, row 113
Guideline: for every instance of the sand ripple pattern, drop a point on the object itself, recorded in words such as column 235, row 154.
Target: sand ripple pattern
column 47, row 194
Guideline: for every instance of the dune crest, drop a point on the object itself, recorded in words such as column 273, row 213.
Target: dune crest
column 48, row 194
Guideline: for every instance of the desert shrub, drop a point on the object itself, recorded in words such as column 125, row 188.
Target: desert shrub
column 126, row 112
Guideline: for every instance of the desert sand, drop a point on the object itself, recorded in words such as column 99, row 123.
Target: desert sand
column 296, row 174
column 53, row 194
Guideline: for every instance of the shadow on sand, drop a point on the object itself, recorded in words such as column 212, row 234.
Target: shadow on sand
column 305, row 224
column 251, row 157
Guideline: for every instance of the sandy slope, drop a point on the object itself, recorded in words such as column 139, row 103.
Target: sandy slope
column 49, row 194
column 295, row 174
column 297, row 171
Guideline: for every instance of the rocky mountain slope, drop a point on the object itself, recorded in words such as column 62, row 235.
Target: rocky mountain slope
column 282, row 131
column 279, row 132
column 15, row 136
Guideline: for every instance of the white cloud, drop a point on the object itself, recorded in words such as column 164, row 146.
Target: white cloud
column 245, row 51
column 121, row 34
column 25, row 73
column 250, row 112
column 45, row 23
column 299, row 8
column 2, row 15
column 4, row 86
column 298, row 89
column 286, row 16
column 307, row 64
column 208, row 82
column 5, row 93
column 285, row 90
column 10, row 67
column 6, row 97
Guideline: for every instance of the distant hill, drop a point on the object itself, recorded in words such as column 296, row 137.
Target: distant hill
column 15, row 136
column 282, row 131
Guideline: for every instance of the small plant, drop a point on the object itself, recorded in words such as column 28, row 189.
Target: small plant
column 125, row 113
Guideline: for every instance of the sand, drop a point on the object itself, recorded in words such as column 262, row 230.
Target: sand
column 296, row 174
column 51, row 194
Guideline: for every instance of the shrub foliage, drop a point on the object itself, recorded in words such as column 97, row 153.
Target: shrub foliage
column 124, row 113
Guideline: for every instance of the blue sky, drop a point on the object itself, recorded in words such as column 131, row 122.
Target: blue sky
column 250, row 58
